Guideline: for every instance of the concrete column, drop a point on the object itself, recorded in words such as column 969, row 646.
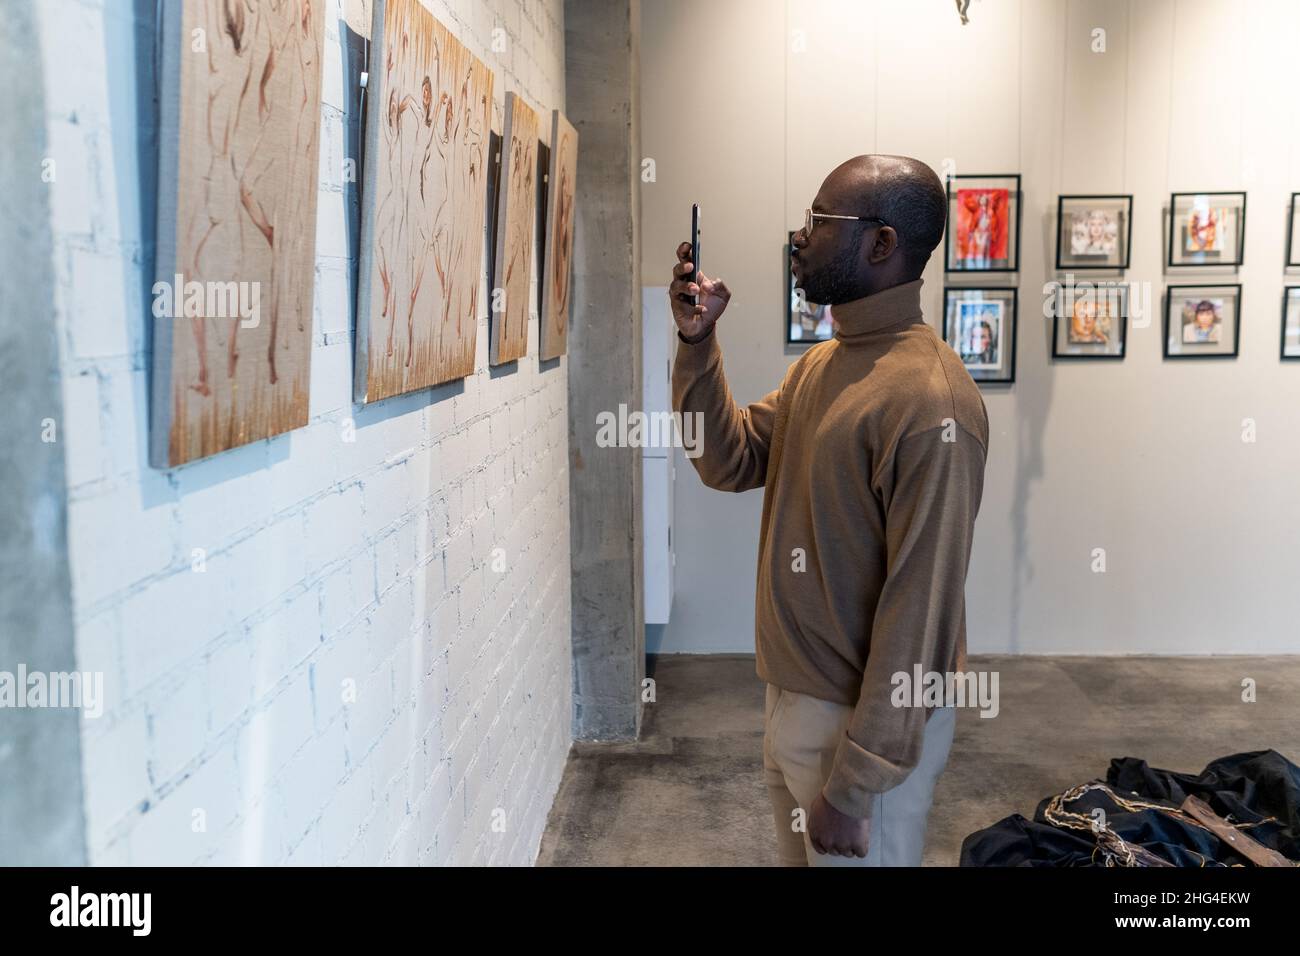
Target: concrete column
column 602, row 44
column 41, row 821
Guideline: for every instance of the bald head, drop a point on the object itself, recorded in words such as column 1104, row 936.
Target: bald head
column 876, row 219
column 905, row 193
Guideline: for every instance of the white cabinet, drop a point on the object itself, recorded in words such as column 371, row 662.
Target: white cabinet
column 658, row 338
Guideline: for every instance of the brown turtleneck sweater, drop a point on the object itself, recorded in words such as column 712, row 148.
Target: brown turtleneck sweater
column 867, row 528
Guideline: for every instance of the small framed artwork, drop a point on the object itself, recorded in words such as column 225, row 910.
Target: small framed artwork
column 983, row 224
column 1091, row 321
column 1093, row 232
column 1291, row 322
column 1293, row 233
column 806, row 323
column 1206, row 229
column 980, row 325
column 1202, row 321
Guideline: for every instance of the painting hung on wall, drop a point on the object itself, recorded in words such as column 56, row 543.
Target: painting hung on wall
column 428, row 122
column 1206, row 229
column 1293, row 233
column 1090, row 320
column 236, row 257
column 516, row 212
column 557, row 272
column 806, row 323
column 1291, row 322
column 1202, row 321
column 1093, row 232
column 980, row 326
column 983, row 224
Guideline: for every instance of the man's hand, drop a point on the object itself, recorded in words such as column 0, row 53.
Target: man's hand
column 832, row 832
column 695, row 321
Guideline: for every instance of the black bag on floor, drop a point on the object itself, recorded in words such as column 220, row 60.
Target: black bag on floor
column 1243, row 788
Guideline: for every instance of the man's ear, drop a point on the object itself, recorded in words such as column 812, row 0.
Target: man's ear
column 885, row 243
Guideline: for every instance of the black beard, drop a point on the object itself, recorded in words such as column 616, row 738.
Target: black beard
column 837, row 281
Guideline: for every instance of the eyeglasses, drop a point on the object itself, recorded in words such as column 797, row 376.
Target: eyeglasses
column 810, row 218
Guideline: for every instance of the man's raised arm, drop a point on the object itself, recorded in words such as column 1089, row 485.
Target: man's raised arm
column 732, row 442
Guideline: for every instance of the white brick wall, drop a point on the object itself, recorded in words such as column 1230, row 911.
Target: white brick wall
column 232, row 602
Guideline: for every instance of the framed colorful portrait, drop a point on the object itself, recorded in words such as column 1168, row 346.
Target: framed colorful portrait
column 1093, row 232
column 1291, row 322
column 1090, row 320
column 1202, row 321
column 980, row 326
column 806, row 323
column 1206, row 229
column 1293, row 233
column 983, row 224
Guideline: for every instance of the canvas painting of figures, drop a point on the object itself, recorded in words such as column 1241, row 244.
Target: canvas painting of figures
column 238, row 181
column 516, row 214
column 556, row 280
column 429, row 115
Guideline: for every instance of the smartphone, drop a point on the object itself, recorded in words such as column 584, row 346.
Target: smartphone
column 695, row 245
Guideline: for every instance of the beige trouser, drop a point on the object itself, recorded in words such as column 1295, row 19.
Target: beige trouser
column 800, row 735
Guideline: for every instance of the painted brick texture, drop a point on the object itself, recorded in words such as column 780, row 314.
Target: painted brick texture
column 349, row 644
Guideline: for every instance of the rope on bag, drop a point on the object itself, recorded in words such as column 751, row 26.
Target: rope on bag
column 1114, row 848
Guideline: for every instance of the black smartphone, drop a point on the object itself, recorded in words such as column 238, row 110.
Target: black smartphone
column 695, row 246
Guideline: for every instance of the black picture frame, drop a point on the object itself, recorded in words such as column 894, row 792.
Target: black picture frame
column 543, row 174
column 1241, row 232
column 1004, row 290
column 1058, row 315
column 1292, row 260
column 1236, row 321
column 786, row 313
column 1014, row 250
column 1127, row 199
column 1287, row 292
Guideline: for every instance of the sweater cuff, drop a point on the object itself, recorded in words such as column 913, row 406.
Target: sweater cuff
column 857, row 775
column 707, row 337
column 697, row 356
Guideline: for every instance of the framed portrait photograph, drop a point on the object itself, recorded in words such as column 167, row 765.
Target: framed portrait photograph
column 980, row 326
column 1206, row 229
column 983, row 224
column 1093, row 232
column 1293, row 233
column 1202, row 321
column 1291, row 322
column 806, row 323
column 1090, row 320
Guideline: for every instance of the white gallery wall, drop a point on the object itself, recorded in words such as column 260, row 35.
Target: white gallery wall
column 347, row 644
column 748, row 104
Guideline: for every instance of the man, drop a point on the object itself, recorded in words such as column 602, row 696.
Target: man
column 868, row 515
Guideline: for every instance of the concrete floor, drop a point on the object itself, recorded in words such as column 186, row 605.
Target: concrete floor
column 690, row 792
